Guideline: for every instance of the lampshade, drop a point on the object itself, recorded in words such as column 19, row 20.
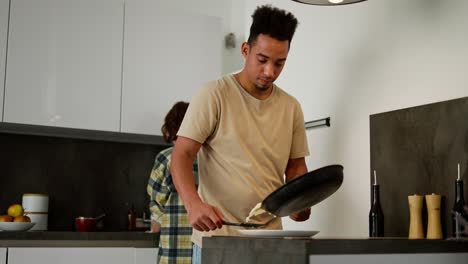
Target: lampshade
column 328, row 2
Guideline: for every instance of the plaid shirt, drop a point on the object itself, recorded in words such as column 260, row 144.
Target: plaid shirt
column 167, row 209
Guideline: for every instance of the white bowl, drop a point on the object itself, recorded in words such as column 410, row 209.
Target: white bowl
column 15, row 226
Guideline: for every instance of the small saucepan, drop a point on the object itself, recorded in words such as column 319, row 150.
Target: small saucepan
column 87, row 224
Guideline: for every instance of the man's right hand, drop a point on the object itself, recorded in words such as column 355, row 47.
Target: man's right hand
column 205, row 217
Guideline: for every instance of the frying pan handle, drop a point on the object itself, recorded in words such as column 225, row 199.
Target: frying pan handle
column 232, row 224
column 242, row 224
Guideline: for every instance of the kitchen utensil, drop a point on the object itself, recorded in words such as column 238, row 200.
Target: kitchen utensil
column 87, row 224
column 434, row 228
column 301, row 193
column 251, row 225
column 35, row 202
column 304, row 191
column 36, row 206
column 416, row 225
column 40, row 219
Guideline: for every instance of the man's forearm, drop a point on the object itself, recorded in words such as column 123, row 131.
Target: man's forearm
column 185, row 184
column 295, row 168
column 183, row 177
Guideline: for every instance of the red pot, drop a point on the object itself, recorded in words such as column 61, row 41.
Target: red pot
column 87, row 224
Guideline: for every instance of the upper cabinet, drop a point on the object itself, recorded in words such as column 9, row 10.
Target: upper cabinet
column 65, row 63
column 167, row 57
column 4, row 4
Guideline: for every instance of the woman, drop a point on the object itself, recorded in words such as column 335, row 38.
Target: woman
column 168, row 214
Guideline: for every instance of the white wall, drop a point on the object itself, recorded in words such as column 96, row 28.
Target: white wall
column 349, row 62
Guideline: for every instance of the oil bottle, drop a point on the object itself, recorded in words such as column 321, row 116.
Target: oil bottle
column 376, row 216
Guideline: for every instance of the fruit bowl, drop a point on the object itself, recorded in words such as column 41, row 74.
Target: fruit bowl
column 15, row 226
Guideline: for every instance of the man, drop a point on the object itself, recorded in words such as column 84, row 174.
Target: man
column 247, row 132
column 168, row 214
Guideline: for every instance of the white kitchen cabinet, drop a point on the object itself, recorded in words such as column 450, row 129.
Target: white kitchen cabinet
column 4, row 4
column 65, row 63
column 79, row 255
column 71, row 255
column 167, row 57
column 3, row 255
column 146, row 255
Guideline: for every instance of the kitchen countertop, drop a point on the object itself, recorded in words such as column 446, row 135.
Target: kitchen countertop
column 220, row 249
column 78, row 239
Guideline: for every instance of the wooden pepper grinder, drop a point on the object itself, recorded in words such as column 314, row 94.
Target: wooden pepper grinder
column 434, row 228
column 416, row 226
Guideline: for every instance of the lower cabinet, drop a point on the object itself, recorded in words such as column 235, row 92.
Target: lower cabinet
column 146, row 255
column 3, row 255
column 81, row 255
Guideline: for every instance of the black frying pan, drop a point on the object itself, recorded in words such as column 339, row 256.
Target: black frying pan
column 303, row 192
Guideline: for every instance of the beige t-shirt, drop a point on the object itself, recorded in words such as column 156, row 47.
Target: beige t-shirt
column 246, row 145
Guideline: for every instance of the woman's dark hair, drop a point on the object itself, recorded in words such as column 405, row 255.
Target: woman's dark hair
column 173, row 120
column 274, row 22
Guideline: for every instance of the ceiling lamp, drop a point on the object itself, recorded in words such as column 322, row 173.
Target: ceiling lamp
column 328, row 2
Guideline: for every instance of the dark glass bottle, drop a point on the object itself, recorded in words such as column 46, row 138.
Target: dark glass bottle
column 376, row 216
column 131, row 219
column 458, row 207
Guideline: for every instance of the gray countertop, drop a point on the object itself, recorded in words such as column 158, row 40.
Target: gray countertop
column 62, row 132
column 298, row 250
column 78, row 239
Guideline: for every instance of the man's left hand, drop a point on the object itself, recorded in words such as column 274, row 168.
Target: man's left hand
column 301, row 216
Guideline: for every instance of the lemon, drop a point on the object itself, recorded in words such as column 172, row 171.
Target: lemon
column 15, row 210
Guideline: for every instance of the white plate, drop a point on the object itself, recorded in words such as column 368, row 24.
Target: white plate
column 15, row 226
column 277, row 233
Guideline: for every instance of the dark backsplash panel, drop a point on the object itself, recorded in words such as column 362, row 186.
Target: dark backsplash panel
column 416, row 151
column 82, row 177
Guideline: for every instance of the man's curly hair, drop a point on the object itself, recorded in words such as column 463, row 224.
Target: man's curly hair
column 274, row 22
column 173, row 120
